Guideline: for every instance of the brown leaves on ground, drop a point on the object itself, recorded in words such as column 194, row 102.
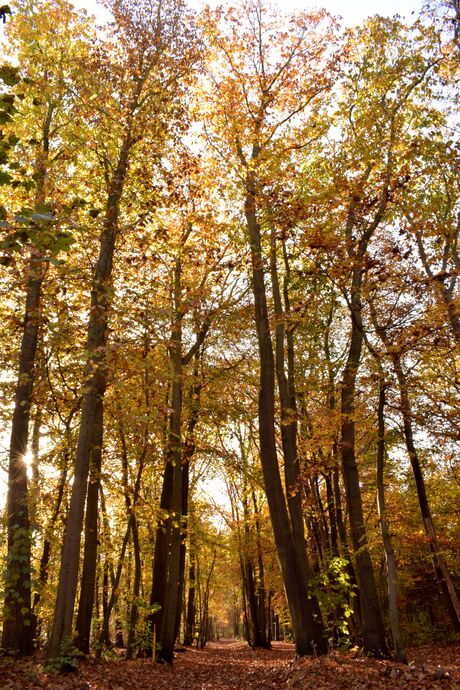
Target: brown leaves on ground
column 230, row 665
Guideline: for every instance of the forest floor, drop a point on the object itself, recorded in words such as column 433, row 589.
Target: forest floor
column 232, row 665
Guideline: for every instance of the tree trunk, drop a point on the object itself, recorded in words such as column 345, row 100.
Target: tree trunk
column 17, row 636
column 287, row 396
column 261, row 591
column 90, row 433
column 172, row 550
column 308, row 632
column 18, row 627
column 130, row 529
column 373, row 628
column 133, row 615
column 169, row 558
column 171, row 600
column 256, row 637
column 396, row 633
column 88, row 576
column 160, row 556
column 187, row 454
column 46, row 551
column 191, row 608
column 440, row 566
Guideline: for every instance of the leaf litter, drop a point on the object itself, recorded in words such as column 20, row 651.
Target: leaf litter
column 232, row 665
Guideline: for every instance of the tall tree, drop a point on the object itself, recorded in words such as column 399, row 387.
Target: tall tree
column 147, row 75
column 43, row 66
column 257, row 96
column 371, row 169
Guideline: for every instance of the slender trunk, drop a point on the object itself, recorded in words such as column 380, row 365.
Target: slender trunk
column 191, row 607
column 396, row 633
column 287, row 397
column 34, row 490
column 247, row 625
column 160, row 556
column 308, row 632
column 18, row 625
column 204, row 620
column 256, row 634
column 133, row 614
column 130, row 527
column 183, row 544
column 88, row 576
column 17, row 615
column 47, row 543
column 104, row 638
column 440, row 566
column 90, row 433
column 331, row 514
column 188, row 451
column 261, row 591
column 323, row 545
column 171, row 600
column 373, row 628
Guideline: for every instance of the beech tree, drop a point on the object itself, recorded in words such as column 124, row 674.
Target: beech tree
column 255, row 98
column 143, row 68
column 44, row 61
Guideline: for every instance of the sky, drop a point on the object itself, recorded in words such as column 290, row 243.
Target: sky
column 352, row 11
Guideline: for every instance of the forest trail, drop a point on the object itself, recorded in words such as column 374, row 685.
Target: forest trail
column 232, row 665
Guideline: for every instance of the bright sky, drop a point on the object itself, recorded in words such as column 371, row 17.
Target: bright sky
column 352, row 11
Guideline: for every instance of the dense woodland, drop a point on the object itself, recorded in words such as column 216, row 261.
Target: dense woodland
column 229, row 248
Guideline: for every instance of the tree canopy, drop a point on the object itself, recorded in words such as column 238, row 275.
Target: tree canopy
column 229, row 253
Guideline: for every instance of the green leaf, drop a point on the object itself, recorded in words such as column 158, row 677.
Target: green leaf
column 9, row 75
column 4, row 117
column 5, row 178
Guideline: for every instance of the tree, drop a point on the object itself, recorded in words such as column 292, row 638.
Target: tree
column 256, row 97
column 143, row 69
column 43, row 79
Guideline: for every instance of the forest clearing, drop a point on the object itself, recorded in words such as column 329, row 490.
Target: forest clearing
column 229, row 347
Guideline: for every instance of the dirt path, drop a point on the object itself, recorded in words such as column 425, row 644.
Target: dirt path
column 231, row 665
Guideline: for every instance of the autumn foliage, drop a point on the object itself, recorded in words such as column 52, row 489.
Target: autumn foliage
column 230, row 321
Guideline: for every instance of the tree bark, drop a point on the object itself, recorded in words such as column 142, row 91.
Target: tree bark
column 17, row 636
column 191, row 607
column 308, row 632
column 88, row 576
column 396, row 632
column 287, row 397
column 18, row 627
column 90, row 433
column 372, row 623
column 261, row 591
column 133, row 614
column 171, row 599
column 440, row 566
